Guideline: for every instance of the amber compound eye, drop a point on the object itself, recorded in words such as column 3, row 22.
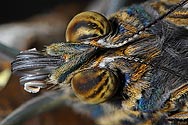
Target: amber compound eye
column 87, row 25
column 94, row 85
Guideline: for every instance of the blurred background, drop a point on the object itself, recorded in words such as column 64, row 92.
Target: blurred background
column 26, row 24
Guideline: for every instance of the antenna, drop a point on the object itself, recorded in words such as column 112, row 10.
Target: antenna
column 136, row 35
column 183, row 2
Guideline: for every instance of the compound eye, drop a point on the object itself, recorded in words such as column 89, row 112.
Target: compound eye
column 87, row 25
column 94, row 85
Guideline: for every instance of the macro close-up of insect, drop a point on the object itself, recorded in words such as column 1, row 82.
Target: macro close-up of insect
column 127, row 68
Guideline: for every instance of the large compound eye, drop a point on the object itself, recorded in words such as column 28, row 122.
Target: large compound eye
column 94, row 85
column 87, row 25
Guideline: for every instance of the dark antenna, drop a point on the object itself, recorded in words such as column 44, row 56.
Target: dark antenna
column 136, row 35
column 183, row 2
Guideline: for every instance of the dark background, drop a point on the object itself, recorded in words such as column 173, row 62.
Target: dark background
column 15, row 10
column 11, row 10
